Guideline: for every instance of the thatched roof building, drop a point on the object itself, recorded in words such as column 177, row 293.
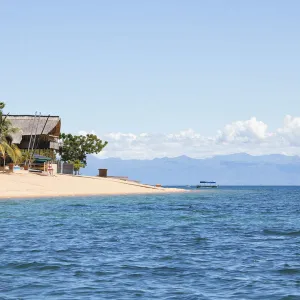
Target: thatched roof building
column 46, row 129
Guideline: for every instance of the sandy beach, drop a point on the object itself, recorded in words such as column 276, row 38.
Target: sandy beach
column 26, row 185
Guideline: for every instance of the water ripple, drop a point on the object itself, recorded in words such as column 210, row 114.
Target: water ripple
column 232, row 243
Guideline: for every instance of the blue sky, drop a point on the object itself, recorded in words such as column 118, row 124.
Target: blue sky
column 151, row 66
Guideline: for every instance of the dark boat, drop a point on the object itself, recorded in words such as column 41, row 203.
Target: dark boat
column 207, row 184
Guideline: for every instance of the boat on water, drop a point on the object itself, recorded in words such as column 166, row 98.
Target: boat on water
column 207, row 184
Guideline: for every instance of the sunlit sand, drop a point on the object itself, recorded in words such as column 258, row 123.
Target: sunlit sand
column 26, row 185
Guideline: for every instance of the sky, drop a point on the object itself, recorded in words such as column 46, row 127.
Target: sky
column 158, row 78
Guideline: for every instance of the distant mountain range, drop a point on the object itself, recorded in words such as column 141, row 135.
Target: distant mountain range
column 235, row 169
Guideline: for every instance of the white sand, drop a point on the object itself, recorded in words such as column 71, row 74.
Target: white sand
column 26, row 185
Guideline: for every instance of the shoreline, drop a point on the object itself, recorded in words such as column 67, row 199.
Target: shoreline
column 28, row 186
column 35, row 196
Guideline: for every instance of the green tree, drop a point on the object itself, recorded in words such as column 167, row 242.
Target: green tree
column 77, row 164
column 75, row 148
column 7, row 148
column 10, row 150
column 26, row 157
column 6, row 128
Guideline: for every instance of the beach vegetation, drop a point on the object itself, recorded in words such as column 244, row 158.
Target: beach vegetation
column 10, row 150
column 7, row 148
column 6, row 127
column 26, row 157
column 75, row 148
column 77, row 165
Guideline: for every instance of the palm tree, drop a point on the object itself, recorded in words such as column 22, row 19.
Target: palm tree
column 10, row 150
column 7, row 148
column 6, row 127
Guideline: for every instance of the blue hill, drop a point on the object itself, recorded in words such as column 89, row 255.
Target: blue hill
column 235, row 169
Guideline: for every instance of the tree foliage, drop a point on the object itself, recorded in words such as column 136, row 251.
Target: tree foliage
column 6, row 147
column 77, row 164
column 10, row 150
column 77, row 147
column 6, row 128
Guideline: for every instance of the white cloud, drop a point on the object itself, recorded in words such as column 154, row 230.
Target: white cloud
column 243, row 131
column 250, row 136
column 290, row 132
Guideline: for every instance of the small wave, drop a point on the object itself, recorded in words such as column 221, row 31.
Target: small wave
column 165, row 269
column 34, row 265
column 289, row 271
column 167, row 257
column 49, row 268
column 78, row 273
column 184, row 218
column 61, row 250
column 25, row 265
column 290, row 297
column 103, row 273
column 181, row 208
column 134, row 275
column 200, row 239
column 131, row 267
column 282, row 233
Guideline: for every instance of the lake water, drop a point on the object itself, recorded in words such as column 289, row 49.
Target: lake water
column 229, row 243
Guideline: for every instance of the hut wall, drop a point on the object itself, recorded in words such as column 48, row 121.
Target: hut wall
column 40, row 143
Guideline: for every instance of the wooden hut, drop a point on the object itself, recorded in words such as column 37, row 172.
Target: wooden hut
column 44, row 131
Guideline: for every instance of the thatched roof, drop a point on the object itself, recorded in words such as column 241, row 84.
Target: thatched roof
column 29, row 124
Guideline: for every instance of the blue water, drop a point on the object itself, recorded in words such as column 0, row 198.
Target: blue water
column 230, row 243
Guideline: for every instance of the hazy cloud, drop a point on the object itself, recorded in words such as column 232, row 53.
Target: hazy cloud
column 250, row 136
